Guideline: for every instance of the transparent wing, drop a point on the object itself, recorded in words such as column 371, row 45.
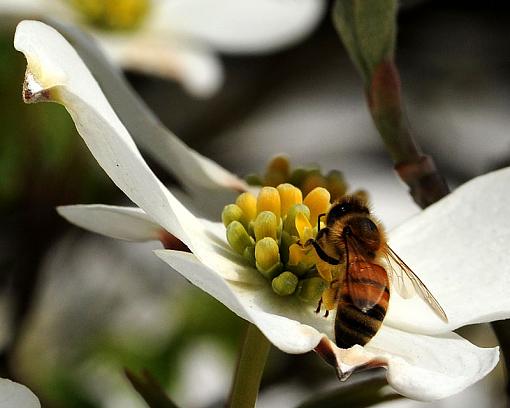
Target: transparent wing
column 407, row 283
column 398, row 279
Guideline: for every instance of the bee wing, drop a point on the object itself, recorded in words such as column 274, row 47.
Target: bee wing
column 365, row 280
column 398, row 278
column 407, row 283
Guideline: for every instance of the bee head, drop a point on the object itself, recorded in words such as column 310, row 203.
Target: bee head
column 347, row 206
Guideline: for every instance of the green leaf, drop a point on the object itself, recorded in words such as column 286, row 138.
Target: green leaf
column 150, row 390
column 360, row 395
column 368, row 31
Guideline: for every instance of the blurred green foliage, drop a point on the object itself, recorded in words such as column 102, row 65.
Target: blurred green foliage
column 198, row 315
column 41, row 155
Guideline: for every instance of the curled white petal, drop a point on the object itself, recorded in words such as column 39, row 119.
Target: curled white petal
column 57, row 67
column 53, row 64
column 458, row 247
column 127, row 223
column 418, row 366
column 16, row 395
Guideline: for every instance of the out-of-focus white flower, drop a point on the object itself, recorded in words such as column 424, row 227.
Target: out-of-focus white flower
column 457, row 246
column 179, row 39
column 14, row 395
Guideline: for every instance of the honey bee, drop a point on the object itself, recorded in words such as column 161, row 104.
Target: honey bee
column 353, row 238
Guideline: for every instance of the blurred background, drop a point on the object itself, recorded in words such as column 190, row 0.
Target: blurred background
column 76, row 309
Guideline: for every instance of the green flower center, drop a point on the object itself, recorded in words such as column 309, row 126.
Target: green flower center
column 271, row 230
column 113, row 14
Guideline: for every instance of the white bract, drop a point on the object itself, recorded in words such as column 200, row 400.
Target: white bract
column 16, row 395
column 456, row 246
column 180, row 39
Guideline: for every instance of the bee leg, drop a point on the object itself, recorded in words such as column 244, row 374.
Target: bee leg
column 323, row 255
column 306, row 244
column 319, row 220
column 319, row 306
column 326, row 313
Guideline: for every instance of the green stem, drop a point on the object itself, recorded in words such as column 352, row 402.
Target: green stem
column 417, row 170
column 250, row 366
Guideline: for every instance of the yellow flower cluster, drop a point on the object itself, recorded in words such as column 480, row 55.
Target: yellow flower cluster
column 272, row 230
column 269, row 231
column 304, row 178
column 112, row 14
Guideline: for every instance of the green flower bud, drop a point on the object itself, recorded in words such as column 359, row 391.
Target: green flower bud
column 238, row 238
column 249, row 254
column 301, row 269
column 285, row 284
column 278, row 171
column 232, row 212
column 310, row 290
column 254, row 180
column 286, row 241
column 267, row 257
column 266, row 225
column 298, row 176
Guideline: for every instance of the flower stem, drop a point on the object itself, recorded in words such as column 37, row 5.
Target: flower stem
column 417, row 170
column 250, row 366
column 368, row 31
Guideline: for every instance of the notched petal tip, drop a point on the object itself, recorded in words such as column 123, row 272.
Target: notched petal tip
column 347, row 361
column 33, row 92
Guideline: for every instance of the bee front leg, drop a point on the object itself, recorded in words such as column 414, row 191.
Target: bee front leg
column 326, row 313
column 319, row 305
column 319, row 220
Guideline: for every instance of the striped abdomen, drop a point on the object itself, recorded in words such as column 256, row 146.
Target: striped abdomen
column 362, row 305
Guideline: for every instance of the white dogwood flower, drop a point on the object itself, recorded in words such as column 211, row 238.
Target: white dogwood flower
column 180, row 39
column 16, row 395
column 457, row 246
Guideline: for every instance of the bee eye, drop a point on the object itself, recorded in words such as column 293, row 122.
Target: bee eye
column 364, row 228
column 366, row 225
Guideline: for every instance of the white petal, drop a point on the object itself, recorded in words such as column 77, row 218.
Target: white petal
column 199, row 174
column 56, row 73
column 20, row 7
column 128, row 223
column 458, row 247
column 195, row 66
column 419, row 366
column 16, row 395
column 283, row 321
column 61, row 75
column 242, row 26
column 427, row 367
